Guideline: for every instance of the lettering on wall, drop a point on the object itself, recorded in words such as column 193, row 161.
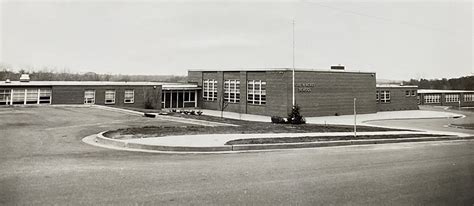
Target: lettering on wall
column 304, row 87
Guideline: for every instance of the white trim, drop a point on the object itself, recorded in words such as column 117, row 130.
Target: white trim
column 132, row 100
column 92, row 100
column 105, row 96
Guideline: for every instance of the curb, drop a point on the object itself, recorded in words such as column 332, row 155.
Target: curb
column 101, row 139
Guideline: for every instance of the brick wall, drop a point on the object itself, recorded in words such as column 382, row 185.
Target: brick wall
column 398, row 99
column 333, row 93
column 75, row 95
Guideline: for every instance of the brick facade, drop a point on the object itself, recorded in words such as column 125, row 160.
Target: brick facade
column 75, row 95
column 318, row 93
column 399, row 100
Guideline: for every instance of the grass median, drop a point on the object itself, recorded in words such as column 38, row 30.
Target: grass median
column 280, row 140
column 243, row 127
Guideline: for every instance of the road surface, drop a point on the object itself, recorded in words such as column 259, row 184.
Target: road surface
column 44, row 162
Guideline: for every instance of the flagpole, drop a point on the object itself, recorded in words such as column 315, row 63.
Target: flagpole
column 293, row 62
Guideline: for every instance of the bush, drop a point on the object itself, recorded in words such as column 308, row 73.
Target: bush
column 149, row 104
column 278, row 120
column 295, row 117
column 199, row 113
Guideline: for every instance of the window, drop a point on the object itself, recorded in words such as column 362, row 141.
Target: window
column 31, row 96
column 385, row 96
column 45, row 96
column 256, row 92
column 89, row 97
column 189, row 98
column 407, row 93
column 431, row 98
column 232, row 91
column 18, row 96
column 451, row 98
column 110, row 97
column 467, row 97
column 413, row 92
column 209, row 90
column 129, row 96
column 377, row 96
column 5, row 96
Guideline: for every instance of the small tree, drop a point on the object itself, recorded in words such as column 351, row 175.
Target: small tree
column 294, row 117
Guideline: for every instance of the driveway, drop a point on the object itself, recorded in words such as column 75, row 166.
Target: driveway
column 44, row 162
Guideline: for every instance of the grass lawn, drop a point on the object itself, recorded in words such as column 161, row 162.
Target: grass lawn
column 316, row 139
column 244, row 127
column 465, row 126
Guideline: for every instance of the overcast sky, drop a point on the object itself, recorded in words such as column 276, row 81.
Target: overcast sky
column 397, row 39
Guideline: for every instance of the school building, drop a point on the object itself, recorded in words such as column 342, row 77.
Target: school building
column 463, row 98
column 249, row 91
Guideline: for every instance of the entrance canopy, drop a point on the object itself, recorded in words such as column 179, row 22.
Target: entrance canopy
column 179, row 96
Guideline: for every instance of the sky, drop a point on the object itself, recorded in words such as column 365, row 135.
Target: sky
column 398, row 40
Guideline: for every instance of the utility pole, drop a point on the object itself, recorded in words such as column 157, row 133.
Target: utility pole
column 294, row 62
column 355, row 118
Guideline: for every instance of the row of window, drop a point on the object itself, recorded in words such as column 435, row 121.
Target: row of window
column 89, row 96
column 436, row 98
column 469, row 97
column 382, row 96
column 432, row 98
column 25, row 96
column 451, row 98
column 410, row 93
column 256, row 91
column 178, row 99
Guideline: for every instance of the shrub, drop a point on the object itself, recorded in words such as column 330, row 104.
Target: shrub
column 295, row 117
column 199, row 113
column 149, row 104
column 278, row 120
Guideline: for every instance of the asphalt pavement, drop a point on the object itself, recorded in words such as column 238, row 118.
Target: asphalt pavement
column 44, row 162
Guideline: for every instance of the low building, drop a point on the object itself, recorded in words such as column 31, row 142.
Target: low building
column 121, row 94
column 390, row 97
column 463, row 98
column 248, row 91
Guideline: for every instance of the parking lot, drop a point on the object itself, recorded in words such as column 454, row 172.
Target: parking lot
column 44, row 162
column 59, row 130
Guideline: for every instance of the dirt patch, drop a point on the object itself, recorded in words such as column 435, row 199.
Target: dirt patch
column 280, row 140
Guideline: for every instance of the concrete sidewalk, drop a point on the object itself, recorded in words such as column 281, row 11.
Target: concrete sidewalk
column 213, row 140
column 345, row 119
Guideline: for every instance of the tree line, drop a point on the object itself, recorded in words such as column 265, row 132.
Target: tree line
column 89, row 76
column 462, row 83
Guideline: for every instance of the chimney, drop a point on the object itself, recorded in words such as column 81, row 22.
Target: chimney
column 25, row 78
column 338, row 67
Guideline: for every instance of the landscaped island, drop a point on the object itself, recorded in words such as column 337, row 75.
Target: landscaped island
column 242, row 127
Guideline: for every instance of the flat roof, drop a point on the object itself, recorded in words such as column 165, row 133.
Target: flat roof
column 396, row 86
column 177, row 86
column 278, row 69
column 428, row 91
column 73, row 83
column 166, row 85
